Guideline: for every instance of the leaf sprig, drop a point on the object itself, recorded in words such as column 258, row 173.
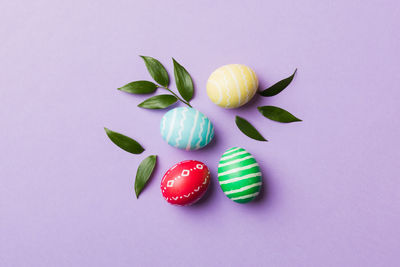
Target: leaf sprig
column 271, row 112
column 184, row 84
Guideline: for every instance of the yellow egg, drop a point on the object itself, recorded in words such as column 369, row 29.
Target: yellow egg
column 232, row 85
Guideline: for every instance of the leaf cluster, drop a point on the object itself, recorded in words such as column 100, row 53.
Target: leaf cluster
column 184, row 84
column 271, row 112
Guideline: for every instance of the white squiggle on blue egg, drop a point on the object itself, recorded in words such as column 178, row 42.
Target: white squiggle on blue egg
column 203, row 120
column 181, row 125
column 186, row 128
column 171, row 125
column 162, row 125
column 189, row 144
column 210, row 132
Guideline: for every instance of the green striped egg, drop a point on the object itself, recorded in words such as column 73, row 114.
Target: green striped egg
column 239, row 175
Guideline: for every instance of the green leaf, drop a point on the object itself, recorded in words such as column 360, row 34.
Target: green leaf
column 158, row 102
column 183, row 81
column 144, row 172
column 278, row 87
column 139, row 87
column 156, row 70
column 124, row 142
column 248, row 129
column 277, row 114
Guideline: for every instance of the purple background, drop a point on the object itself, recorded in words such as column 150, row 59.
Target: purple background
column 332, row 181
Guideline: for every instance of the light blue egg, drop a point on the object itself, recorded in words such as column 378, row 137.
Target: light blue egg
column 186, row 128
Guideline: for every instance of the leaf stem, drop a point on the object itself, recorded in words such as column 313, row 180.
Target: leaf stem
column 180, row 99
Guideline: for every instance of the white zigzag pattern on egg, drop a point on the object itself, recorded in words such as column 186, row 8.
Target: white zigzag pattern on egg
column 228, row 100
column 181, row 128
column 195, row 190
column 171, row 126
column 163, row 125
column 196, row 117
column 185, row 128
column 236, row 82
column 245, row 83
column 203, row 121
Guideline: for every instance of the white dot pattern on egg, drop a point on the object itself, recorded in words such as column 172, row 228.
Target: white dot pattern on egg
column 186, row 128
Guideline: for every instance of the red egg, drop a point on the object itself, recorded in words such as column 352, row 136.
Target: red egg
column 185, row 183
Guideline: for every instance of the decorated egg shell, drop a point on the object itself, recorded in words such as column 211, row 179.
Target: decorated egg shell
column 185, row 182
column 239, row 175
column 232, row 85
column 186, row 128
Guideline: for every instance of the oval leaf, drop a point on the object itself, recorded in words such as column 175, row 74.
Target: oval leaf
column 183, row 81
column 278, row 87
column 124, row 142
column 248, row 129
column 139, row 87
column 158, row 102
column 144, row 172
column 156, row 70
column 277, row 114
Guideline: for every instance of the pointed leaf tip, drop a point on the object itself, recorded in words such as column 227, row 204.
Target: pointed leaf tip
column 248, row 129
column 139, row 87
column 156, row 70
column 277, row 114
column 144, row 173
column 124, row 142
column 184, row 81
column 158, row 102
column 278, row 87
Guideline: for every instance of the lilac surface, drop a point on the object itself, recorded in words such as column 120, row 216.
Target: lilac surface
column 332, row 181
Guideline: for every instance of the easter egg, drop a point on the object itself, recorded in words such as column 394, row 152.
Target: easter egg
column 232, row 85
column 239, row 175
column 185, row 182
column 186, row 128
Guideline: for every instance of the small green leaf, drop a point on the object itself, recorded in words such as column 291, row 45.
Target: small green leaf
column 156, row 70
column 277, row 114
column 139, row 87
column 124, row 142
column 183, row 81
column 158, row 102
column 278, row 87
column 144, row 172
column 248, row 129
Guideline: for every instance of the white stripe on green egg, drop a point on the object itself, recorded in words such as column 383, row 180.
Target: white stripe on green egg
column 239, row 175
column 186, row 128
